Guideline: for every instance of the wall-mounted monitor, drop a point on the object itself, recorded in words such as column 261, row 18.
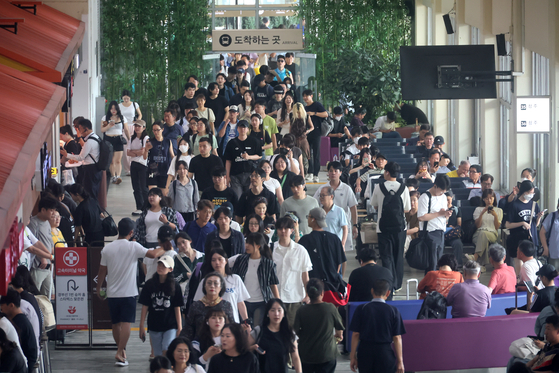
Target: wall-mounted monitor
column 448, row 72
column 533, row 114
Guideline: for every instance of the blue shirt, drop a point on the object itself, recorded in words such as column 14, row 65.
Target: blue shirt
column 198, row 234
column 282, row 74
column 335, row 220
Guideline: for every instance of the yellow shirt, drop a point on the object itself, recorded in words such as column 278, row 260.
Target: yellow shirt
column 58, row 238
column 452, row 174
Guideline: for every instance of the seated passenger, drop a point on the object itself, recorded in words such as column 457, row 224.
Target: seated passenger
column 487, row 218
column 552, row 309
column 530, row 265
column 470, row 298
column 424, row 129
column 422, row 172
column 442, row 280
column 548, row 358
column 363, row 278
column 475, row 194
column 385, row 127
column 351, row 154
column 412, row 222
column 474, row 181
column 412, row 184
column 462, row 170
column 503, row 277
column 446, row 162
column 546, row 296
column 428, row 142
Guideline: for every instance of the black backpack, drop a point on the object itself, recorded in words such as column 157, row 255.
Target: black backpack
column 392, row 219
column 433, row 307
column 105, row 154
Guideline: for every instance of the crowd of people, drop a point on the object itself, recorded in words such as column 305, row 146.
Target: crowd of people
column 235, row 266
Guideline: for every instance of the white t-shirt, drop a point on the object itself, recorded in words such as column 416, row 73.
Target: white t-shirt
column 138, row 144
column 353, row 150
column 173, row 164
column 208, row 114
column 235, row 292
column 251, row 281
column 152, row 225
column 528, row 271
column 11, row 334
column 382, row 124
column 286, row 126
column 232, row 130
column 437, row 203
column 29, row 240
column 151, row 263
column 115, row 130
column 291, row 263
column 378, row 198
column 272, row 185
column 121, row 259
column 128, row 112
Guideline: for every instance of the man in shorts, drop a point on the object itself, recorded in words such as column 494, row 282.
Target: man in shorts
column 119, row 263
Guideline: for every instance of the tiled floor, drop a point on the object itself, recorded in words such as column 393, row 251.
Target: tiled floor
column 121, row 204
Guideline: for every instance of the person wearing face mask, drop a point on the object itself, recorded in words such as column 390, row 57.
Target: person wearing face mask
column 338, row 133
column 184, row 155
column 523, row 218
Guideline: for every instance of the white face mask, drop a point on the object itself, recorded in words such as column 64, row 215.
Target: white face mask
column 183, row 148
column 338, row 117
column 528, row 197
column 524, row 179
column 288, row 86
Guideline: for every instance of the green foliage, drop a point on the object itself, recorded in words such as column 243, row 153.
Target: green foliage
column 364, row 36
column 150, row 48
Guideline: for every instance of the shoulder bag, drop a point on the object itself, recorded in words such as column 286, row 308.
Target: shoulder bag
column 417, row 255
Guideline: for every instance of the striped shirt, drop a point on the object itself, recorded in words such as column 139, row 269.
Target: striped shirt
column 266, row 273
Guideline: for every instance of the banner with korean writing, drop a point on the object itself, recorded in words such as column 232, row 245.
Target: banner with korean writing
column 71, row 288
column 257, row 40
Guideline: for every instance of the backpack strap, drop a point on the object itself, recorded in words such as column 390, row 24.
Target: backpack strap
column 428, row 211
column 174, row 190
column 383, row 189
column 98, row 141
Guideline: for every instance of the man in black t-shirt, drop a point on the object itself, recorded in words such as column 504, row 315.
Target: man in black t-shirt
column 238, row 98
column 245, row 206
column 317, row 113
column 10, row 305
column 202, row 165
column 325, row 249
column 219, row 104
column 362, row 279
column 220, row 193
column 240, row 156
column 188, row 97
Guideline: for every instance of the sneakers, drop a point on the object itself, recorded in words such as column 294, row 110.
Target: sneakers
column 483, row 269
column 120, row 363
column 316, row 179
column 137, row 213
column 118, row 180
column 308, row 177
column 470, row 257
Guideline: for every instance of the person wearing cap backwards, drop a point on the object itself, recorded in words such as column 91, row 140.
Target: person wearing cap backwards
column 228, row 128
column 263, row 90
column 119, row 264
column 161, row 298
column 240, row 154
column 219, row 104
column 275, row 103
column 325, row 249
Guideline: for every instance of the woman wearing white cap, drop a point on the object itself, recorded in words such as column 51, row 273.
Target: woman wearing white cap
column 162, row 300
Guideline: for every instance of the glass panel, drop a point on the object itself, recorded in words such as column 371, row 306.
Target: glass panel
column 235, row 19
column 279, row 2
column 210, row 68
column 305, row 74
column 234, row 2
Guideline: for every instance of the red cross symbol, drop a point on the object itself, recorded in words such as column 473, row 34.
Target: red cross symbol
column 71, row 258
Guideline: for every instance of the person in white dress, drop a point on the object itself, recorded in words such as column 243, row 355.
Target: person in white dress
column 130, row 111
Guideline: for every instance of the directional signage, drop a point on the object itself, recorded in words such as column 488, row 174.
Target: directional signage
column 71, row 288
column 250, row 40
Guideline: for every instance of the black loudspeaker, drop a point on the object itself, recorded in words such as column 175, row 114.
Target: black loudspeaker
column 501, row 45
column 448, row 24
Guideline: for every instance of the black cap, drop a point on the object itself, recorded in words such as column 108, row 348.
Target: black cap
column 259, row 78
column 548, row 271
column 278, row 89
column 380, row 155
column 243, row 123
column 439, row 140
column 338, row 110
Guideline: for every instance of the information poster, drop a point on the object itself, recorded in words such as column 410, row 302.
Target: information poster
column 71, row 288
column 533, row 114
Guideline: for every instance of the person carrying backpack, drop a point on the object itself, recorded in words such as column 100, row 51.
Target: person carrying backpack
column 392, row 200
column 96, row 156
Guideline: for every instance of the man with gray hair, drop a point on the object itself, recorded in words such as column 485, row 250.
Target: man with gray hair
column 463, row 170
column 503, row 277
column 469, row 298
column 336, row 219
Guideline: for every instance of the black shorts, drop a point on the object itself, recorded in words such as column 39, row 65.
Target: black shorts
column 159, row 181
column 122, row 309
column 115, row 142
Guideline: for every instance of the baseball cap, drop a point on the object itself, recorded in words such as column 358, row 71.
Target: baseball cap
column 240, row 70
column 319, row 215
column 278, row 89
column 167, row 261
column 243, row 123
column 234, row 108
column 439, row 140
column 380, row 155
column 259, row 78
column 546, row 270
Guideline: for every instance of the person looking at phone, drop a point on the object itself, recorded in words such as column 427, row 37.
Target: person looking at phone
column 428, row 145
column 434, row 158
column 526, row 253
column 433, row 212
column 422, row 172
column 208, row 340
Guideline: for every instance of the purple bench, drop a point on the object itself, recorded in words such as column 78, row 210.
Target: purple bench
column 472, row 343
column 409, row 309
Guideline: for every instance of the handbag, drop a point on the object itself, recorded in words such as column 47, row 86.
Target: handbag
column 135, row 112
column 417, row 255
column 453, row 234
column 539, row 248
column 123, row 140
column 109, row 225
column 524, row 348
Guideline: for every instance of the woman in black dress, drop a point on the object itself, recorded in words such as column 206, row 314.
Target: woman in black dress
column 235, row 356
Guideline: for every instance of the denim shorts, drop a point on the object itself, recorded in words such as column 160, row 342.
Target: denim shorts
column 122, row 309
column 160, row 341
